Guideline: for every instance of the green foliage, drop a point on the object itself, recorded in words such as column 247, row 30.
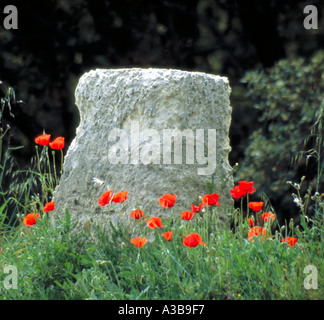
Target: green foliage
column 42, row 255
column 55, row 263
column 17, row 187
column 7, row 173
column 286, row 98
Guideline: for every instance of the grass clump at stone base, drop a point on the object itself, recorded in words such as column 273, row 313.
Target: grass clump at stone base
column 54, row 263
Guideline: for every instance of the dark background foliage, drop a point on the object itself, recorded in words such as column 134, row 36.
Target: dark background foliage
column 57, row 41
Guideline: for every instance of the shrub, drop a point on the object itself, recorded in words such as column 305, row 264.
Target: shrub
column 287, row 98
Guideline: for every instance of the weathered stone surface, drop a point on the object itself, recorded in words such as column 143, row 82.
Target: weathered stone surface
column 127, row 116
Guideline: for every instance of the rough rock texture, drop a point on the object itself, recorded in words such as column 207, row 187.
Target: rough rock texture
column 127, row 116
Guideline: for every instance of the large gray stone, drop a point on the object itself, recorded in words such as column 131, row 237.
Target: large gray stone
column 130, row 116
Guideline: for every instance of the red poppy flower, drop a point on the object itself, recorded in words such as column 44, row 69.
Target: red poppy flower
column 237, row 193
column 154, row 222
column 256, row 206
column 255, row 232
column 268, row 215
column 105, row 198
column 136, row 214
column 120, row 197
column 30, row 219
column 57, row 143
column 49, row 206
column 290, row 240
column 187, row 215
column 251, row 222
column 210, row 199
column 167, row 200
column 167, row 235
column 138, row 242
column 246, row 187
column 43, row 139
column 196, row 208
column 193, row 240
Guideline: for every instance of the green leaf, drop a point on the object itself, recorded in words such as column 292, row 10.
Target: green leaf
column 67, row 220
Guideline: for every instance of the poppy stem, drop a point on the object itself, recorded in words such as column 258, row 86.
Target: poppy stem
column 177, row 262
column 38, row 162
column 247, row 204
column 0, row 149
column 49, row 168
column 62, row 158
column 115, row 273
column 54, row 167
column 241, row 215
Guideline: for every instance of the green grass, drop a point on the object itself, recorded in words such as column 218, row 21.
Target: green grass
column 55, row 263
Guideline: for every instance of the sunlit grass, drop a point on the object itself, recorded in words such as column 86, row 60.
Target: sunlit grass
column 55, row 263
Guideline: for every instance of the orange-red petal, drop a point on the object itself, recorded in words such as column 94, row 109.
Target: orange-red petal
column 246, row 187
column 255, row 232
column 105, row 198
column 290, row 240
column 167, row 200
column 210, row 199
column 268, row 215
column 136, row 214
column 120, row 197
column 49, row 206
column 256, row 206
column 30, row 219
column 237, row 192
column 139, row 242
column 43, row 139
column 196, row 208
column 58, row 143
column 187, row 215
column 154, row 222
column 167, row 235
column 193, row 240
